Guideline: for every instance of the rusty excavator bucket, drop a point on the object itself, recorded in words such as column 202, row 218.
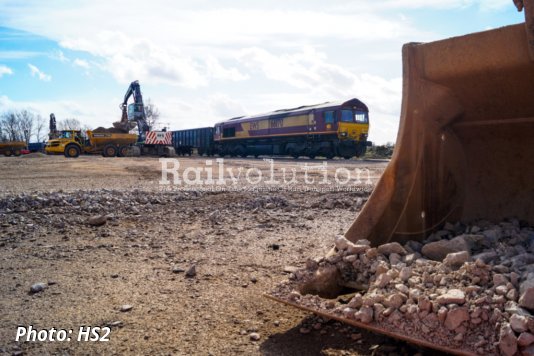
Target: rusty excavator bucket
column 464, row 150
column 465, row 146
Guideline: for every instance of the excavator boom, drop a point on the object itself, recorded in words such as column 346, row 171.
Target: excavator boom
column 52, row 127
column 133, row 114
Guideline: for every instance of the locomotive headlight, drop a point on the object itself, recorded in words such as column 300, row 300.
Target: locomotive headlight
column 344, row 134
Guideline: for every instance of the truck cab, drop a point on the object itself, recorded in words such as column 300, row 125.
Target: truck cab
column 66, row 137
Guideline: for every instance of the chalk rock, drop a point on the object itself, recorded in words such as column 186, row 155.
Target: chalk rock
column 507, row 340
column 455, row 317
column 126, row 308
column 392, row 247
column 382, row 280
column 357, row 248
column 526, row 293
column 453, row 296
column 499, row 279
column 365, row 314
column 518, row 323
column 424, row 303
column 356, row 301
column 341, row 242
column 405, row 273
column 440, row 249
column 394, row 300
column 456, row 259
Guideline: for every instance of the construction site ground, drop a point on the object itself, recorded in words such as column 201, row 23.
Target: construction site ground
column 240, row 241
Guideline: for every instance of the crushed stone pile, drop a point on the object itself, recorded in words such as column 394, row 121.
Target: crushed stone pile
column 466, row 288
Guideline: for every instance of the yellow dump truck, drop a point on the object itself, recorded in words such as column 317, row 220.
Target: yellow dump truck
column 72, row 143
column 12, row 148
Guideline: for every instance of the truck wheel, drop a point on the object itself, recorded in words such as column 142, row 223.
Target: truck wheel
column 17, row 153
column 123, row 151
column 7, row 153
column 110, row 151
column 72, row 151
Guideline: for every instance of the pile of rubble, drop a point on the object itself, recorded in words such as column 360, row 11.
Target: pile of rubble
column 109, row 130
column 465, row 288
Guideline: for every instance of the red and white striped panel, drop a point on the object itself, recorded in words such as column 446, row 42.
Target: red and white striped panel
column 158, row 138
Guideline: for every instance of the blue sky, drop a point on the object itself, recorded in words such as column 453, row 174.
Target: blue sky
column 205, row 61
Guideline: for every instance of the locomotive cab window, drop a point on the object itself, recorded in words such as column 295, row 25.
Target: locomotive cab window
column 329, row 117
column 361, row 117
column 347, row 116
column 229, row 132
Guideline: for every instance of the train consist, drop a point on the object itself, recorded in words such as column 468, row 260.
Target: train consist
column 329, row 130
column 334, row 129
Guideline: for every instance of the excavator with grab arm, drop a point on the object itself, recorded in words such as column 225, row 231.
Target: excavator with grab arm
column 149, row 142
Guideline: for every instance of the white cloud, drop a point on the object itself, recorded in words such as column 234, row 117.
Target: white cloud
column 223, row 106
column 491, row 5
column 18, row 54
column 127, row 58
column 60, row 56
column 37, row 72
column 81, row 63
column 5, row 70
column 217, row 71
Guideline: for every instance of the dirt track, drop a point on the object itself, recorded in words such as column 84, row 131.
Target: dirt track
column 240, row 241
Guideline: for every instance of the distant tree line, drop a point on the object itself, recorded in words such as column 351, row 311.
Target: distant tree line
column 72, row 124
column 26, row 125
column 22, row 125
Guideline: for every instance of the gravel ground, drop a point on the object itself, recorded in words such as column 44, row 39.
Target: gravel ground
column 97, row 242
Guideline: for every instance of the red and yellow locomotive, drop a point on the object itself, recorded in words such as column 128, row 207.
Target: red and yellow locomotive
column 329, row 130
